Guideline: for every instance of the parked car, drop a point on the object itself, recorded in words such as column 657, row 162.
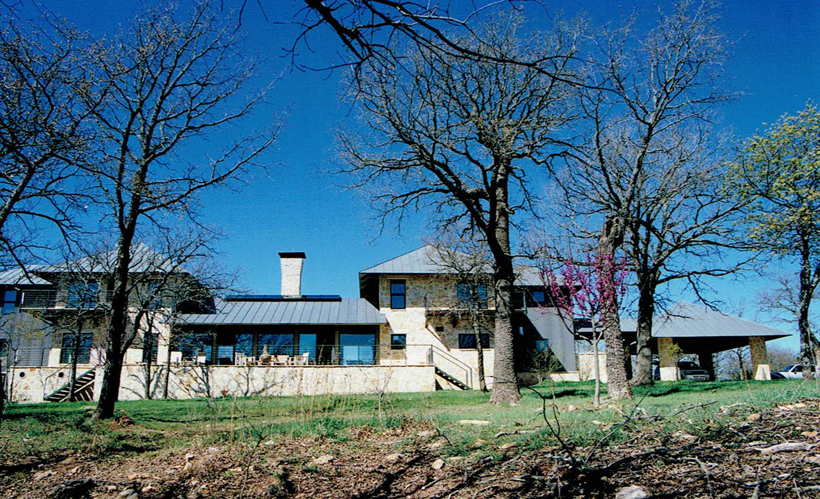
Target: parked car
column 688, row 370
column 794, row 371
column 692, row 371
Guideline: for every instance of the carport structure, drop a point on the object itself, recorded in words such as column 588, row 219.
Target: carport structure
column 695, row 329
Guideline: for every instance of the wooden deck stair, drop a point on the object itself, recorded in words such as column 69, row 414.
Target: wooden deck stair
column 452, row 379
column 84, row 389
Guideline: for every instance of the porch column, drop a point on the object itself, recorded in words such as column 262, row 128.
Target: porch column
column 706, row 361
column 760, row 358
column 668, row 359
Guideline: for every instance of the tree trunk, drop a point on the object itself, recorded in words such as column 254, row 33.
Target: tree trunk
column 807, row 340
column 75, row 354
column 505, row 385
column 643, row 353
column 114, row 348
column 608, row 242
column 596, row 368
column 482, row 382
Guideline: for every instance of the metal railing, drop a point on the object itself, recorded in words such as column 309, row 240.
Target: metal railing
column 61, row 299
column 451, row 365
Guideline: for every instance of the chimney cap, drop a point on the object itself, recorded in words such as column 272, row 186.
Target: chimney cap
column 297, row 254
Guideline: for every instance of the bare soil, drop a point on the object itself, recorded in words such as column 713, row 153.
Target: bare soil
column 727, row 461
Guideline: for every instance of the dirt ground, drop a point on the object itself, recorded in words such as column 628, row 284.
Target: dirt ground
column 774, row 453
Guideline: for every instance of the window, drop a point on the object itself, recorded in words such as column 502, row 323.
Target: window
column 82, row 295
column 244, row 344
column 539, row 297
column 83, row 353
column 472, row 295
column 153, row 290
column 194, row 345
column 278, row 344
column 542, row 345
column 9, row 301
column 150, row 351
column 467, row 341
column 357, row 349
column 398, row 341
column 398, row 294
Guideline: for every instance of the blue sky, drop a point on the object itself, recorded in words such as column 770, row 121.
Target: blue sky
column 297, row 206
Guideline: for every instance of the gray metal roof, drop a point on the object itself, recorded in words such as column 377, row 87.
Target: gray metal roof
column 424, row 260
column 15, row 277
column 143, row 259
column 687, row 320
column 338, row 312
column 427, row 260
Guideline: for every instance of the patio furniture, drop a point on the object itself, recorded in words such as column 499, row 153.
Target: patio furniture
column 201, row 358
column 176, row 357
column 282, row 360
column 302, row 360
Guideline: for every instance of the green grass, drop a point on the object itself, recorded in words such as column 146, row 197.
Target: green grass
column 53, row 431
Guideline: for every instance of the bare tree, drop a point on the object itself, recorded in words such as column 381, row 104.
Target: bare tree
column 646, row 89
column 166, row 82
column 682, row 227
column 456, row 136
column 43, row 133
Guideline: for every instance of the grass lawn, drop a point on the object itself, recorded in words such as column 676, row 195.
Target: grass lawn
column 48, row 432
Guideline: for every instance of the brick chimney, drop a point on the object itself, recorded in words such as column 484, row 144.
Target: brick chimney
column 292, row 273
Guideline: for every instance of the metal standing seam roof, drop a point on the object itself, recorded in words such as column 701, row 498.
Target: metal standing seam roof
column 345, row 311
column 16, row 277
column 424, row 261
column 687, row 320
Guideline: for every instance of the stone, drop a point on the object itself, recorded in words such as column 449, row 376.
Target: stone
column 426, row 434
column 435, row 445
column 394, row 457
column 632, row 492
column 148, row 489
column 508, row 446
column 570, row 408
column 327, row 458
column 479, row 443
column 189, row 457
column 42, row 474
column 128, row 493
column 72, row 489
column 437, row 464
column 684, row 437
column 753, row 418
column 474, row 422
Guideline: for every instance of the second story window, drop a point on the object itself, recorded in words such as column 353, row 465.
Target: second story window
column 472, row 295
column 9, row 301
column 398, row 294
column 82, row 295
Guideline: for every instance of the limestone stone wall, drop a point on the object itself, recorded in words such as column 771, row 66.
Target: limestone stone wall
column 227, row 381
column 586, row 366
column 437, row 329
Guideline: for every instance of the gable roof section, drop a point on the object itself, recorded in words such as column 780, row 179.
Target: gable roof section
column 687, row 320
column 17, row 277
column 420, row 261
column 427, row 260
column 143, row 259
column 345, row 311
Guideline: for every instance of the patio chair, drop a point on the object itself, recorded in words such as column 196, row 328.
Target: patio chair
column 282, row 360
column 302, row 360
column 239, row 359
column 176, row 357
column 201, row 358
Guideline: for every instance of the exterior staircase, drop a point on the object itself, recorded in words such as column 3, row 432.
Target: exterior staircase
column 83, row 389
column 453, row 380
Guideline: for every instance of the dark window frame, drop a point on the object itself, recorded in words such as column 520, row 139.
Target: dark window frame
column 394, row 295
column 85, row 347
column 6, row 302
column 466, row 341
column 82, row 294
column 401, row 345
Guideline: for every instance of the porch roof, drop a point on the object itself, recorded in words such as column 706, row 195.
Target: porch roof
column 343, row 311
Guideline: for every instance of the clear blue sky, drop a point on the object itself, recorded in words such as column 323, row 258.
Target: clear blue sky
column 296, row 206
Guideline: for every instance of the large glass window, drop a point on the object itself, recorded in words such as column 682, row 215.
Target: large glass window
column 472, row 295
column 357, row 349
column 84, row 351
column 9, row 301
column 82, row 295
column 278, row 344
column 244, row 344
column 467, row 341
column 307, row 345
column 398, row 294
column 193, row 346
